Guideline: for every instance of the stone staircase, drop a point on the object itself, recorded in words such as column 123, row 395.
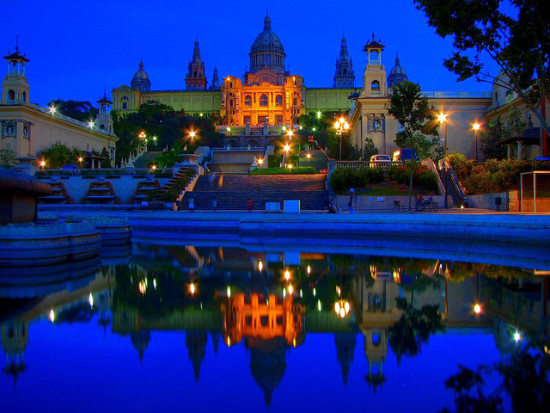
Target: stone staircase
column 176, row 177
column 232, row 192
column 59, row 194
column 100, row 192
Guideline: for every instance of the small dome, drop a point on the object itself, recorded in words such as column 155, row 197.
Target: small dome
column 267, row 40
column 141, row 81
column 397, row 74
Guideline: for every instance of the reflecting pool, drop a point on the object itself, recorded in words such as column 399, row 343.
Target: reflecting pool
column 202, row 327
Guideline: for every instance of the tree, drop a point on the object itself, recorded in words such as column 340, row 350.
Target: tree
column 517, row 38
column 369, row 149
column 491, row 141
column 416, row 117
column 76, row 109
column 60, row 154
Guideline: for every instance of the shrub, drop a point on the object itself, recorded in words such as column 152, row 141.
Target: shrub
column 342, row 179
column 297, row 170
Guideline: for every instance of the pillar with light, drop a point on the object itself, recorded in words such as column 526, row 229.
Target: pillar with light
column 341, row 126
column 442, row 117
column 476, row 127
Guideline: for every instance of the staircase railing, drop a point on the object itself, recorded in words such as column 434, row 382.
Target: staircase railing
column 430, row 164
column 453, row 185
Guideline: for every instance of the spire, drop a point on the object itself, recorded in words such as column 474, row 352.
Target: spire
column 344, row 76
column 397, row 74
column 196, row 77
column 215, row 80
column 196, row 52
column 267, row 22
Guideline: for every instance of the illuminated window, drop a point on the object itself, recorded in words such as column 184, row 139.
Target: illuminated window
column 263, row 100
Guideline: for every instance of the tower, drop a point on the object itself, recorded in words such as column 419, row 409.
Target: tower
column 215, row 80
column 15, row 89
column 397, row 74
column 196, row 78
column 344, row 76
column 374, row 78
column 103, row 119
column 141, row 81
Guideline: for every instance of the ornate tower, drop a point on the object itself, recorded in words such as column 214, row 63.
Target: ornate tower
column 215, row 80
column 103, row 119
column 374, row 78
column 344, row 76
column 196, row 78
column 397, row 74
column 15, row 89
column 141, row 81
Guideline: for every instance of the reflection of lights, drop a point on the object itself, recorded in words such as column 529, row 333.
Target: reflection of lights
column 301, row 293
column 308, row 269
column 477, row 308
column 51, row 316
column 517, row 336
column 142, row 287
column 294, row 342
column 342, row 307
column 290, row 289
column 287, row 275
column 338, row 290
column 260, row 265
column 284, row 292
column 319, row 305
column 397, row 277
column 155, row 283
column 228, row 341
column 314, row 292
column 228, row 289
column 192, row 289
column 91, row 300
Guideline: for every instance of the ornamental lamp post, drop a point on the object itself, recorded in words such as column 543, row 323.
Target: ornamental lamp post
column 341, row 126
column 476, row 127
column 442, row 117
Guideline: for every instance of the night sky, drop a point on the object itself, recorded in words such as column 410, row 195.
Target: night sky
column 79, row 49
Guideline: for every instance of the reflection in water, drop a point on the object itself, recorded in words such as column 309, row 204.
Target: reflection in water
column 268, row 302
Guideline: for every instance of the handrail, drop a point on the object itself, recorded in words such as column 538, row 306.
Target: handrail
column 430, row 164
column 457, row 191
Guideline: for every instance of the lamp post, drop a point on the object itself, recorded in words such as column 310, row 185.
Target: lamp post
column 476, row 127
column 443, row 120
column 42, row 164
column 143, row 136
column 341, row 125
column 80, row 159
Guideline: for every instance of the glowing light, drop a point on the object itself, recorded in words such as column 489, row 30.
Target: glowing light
column 42, row 163
column 52, row 109
column 290, row 289
column 319, row 305
column 476, row 126
column 517, row 336
column 442, row 117
column 289, row 166
column 308, row 270
column 154, row 283
column 192, row 134
column 338, row 290
column 228, row 129
column 228, row 341
column 287, row 275
column 337, row 307
column 301, row 293
column 477, row 308
column 91, row 300
column 314, row 129
column 286, row 148
column 51, row 316
column 284, row 292
column 153, row 167
column 91, row 124
column 80, row 159
column 192, row 289
column 142, row 287
column 290, row 133
column 314, row 292
column 308, row 155
column 260, row 161
column 319, row 115
column 260, row 265
column 294, row 342
column 228, row 290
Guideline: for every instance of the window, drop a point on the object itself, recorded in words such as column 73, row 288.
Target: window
column 279, row 120
column 11, row 95
column 279, row 100
column 124, row 105
column 24, row 96
column 248, row 100
column 375, row 85
column 263, row 100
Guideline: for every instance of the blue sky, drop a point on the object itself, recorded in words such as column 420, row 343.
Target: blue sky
column 78, row 49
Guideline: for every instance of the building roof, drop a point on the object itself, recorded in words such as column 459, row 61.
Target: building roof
column 267, row 40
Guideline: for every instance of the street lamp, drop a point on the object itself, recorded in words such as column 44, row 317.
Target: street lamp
column 341, row 126
column 476, row 127
column 80, row 159
column 442, row 117
column 143, row 136
column 42, row 164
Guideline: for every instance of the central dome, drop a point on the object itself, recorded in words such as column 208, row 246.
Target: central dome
column 267, row 51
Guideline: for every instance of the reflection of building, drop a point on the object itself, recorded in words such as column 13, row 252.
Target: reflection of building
column 345, row 347
column 15, row 336
column 27, row 129
column 195, row 341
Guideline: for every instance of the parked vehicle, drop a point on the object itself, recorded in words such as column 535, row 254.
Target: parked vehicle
column 404, row 155
column 427, row 203
column 380, row 160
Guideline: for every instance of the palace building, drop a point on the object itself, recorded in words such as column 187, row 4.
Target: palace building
column 27, row 129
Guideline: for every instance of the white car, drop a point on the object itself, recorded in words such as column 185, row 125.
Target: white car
column 380, row 160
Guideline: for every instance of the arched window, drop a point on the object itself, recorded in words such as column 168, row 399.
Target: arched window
column 279, row 100
column 24, row 96
column 11, row 95
column 375, row 85
column 248, row 100
column 263, row 100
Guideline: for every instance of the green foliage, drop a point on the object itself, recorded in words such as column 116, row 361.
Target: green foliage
column 421, row 175
column 491, row 141
column 60, row 154
column 169, row 126
column 7, row 158
column 76, row 109
column 171, row 194
column 273, row 161
column 369, row 149
column 494, row 175
column 516, row 38
column 170, row 157
column 342, row 179
column 297, row 170
column 416, row 117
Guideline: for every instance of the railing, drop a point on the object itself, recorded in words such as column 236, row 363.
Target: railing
column 364, row 164
column 68, row 119
column 477, row 95
column 158, row 173
column 429, row 163
column 451, row 182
